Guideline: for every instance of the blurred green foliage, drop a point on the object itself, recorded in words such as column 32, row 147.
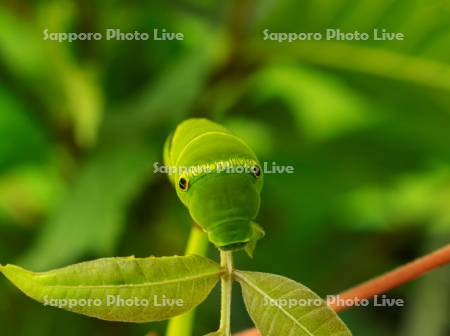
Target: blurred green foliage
column 365, row 123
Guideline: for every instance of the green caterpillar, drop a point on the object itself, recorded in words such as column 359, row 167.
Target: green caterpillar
column 219, row 179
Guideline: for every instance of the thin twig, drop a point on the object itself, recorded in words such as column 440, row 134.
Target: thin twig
column 385, row 282
column 394, row 278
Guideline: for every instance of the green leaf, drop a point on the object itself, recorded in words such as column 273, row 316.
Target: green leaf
column 412, row 61
column 23, row 141
column 410, row 198
column 256, row 133
column 28, row 192
column 65, row 85
column 122, row 289
column 185, row 80
column 322, row 105
column 280, row 306
column 366, row 60
column 92, row 214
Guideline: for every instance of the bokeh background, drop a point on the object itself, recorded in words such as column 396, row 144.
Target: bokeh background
column 366, row 124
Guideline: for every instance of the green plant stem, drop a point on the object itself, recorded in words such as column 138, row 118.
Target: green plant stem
column 197, row 243
column 182, row 325
column 226, row 261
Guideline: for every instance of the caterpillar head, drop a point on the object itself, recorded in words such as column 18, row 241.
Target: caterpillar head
column 224, row 204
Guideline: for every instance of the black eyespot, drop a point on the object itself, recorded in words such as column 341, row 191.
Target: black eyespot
column 183, row 184
column 256, row 171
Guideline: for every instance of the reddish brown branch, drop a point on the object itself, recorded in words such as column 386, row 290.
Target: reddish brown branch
column 395, row 278
column 385, row 282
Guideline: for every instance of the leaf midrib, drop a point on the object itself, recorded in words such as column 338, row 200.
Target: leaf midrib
column 144, row 284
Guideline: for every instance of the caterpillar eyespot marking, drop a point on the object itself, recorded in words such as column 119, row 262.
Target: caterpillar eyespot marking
column 183, row 184
column 256, row 171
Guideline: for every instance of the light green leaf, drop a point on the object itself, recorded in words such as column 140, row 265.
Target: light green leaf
column 280, row 306
column 122, row 289
column 379, row 62
column 322, row 105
